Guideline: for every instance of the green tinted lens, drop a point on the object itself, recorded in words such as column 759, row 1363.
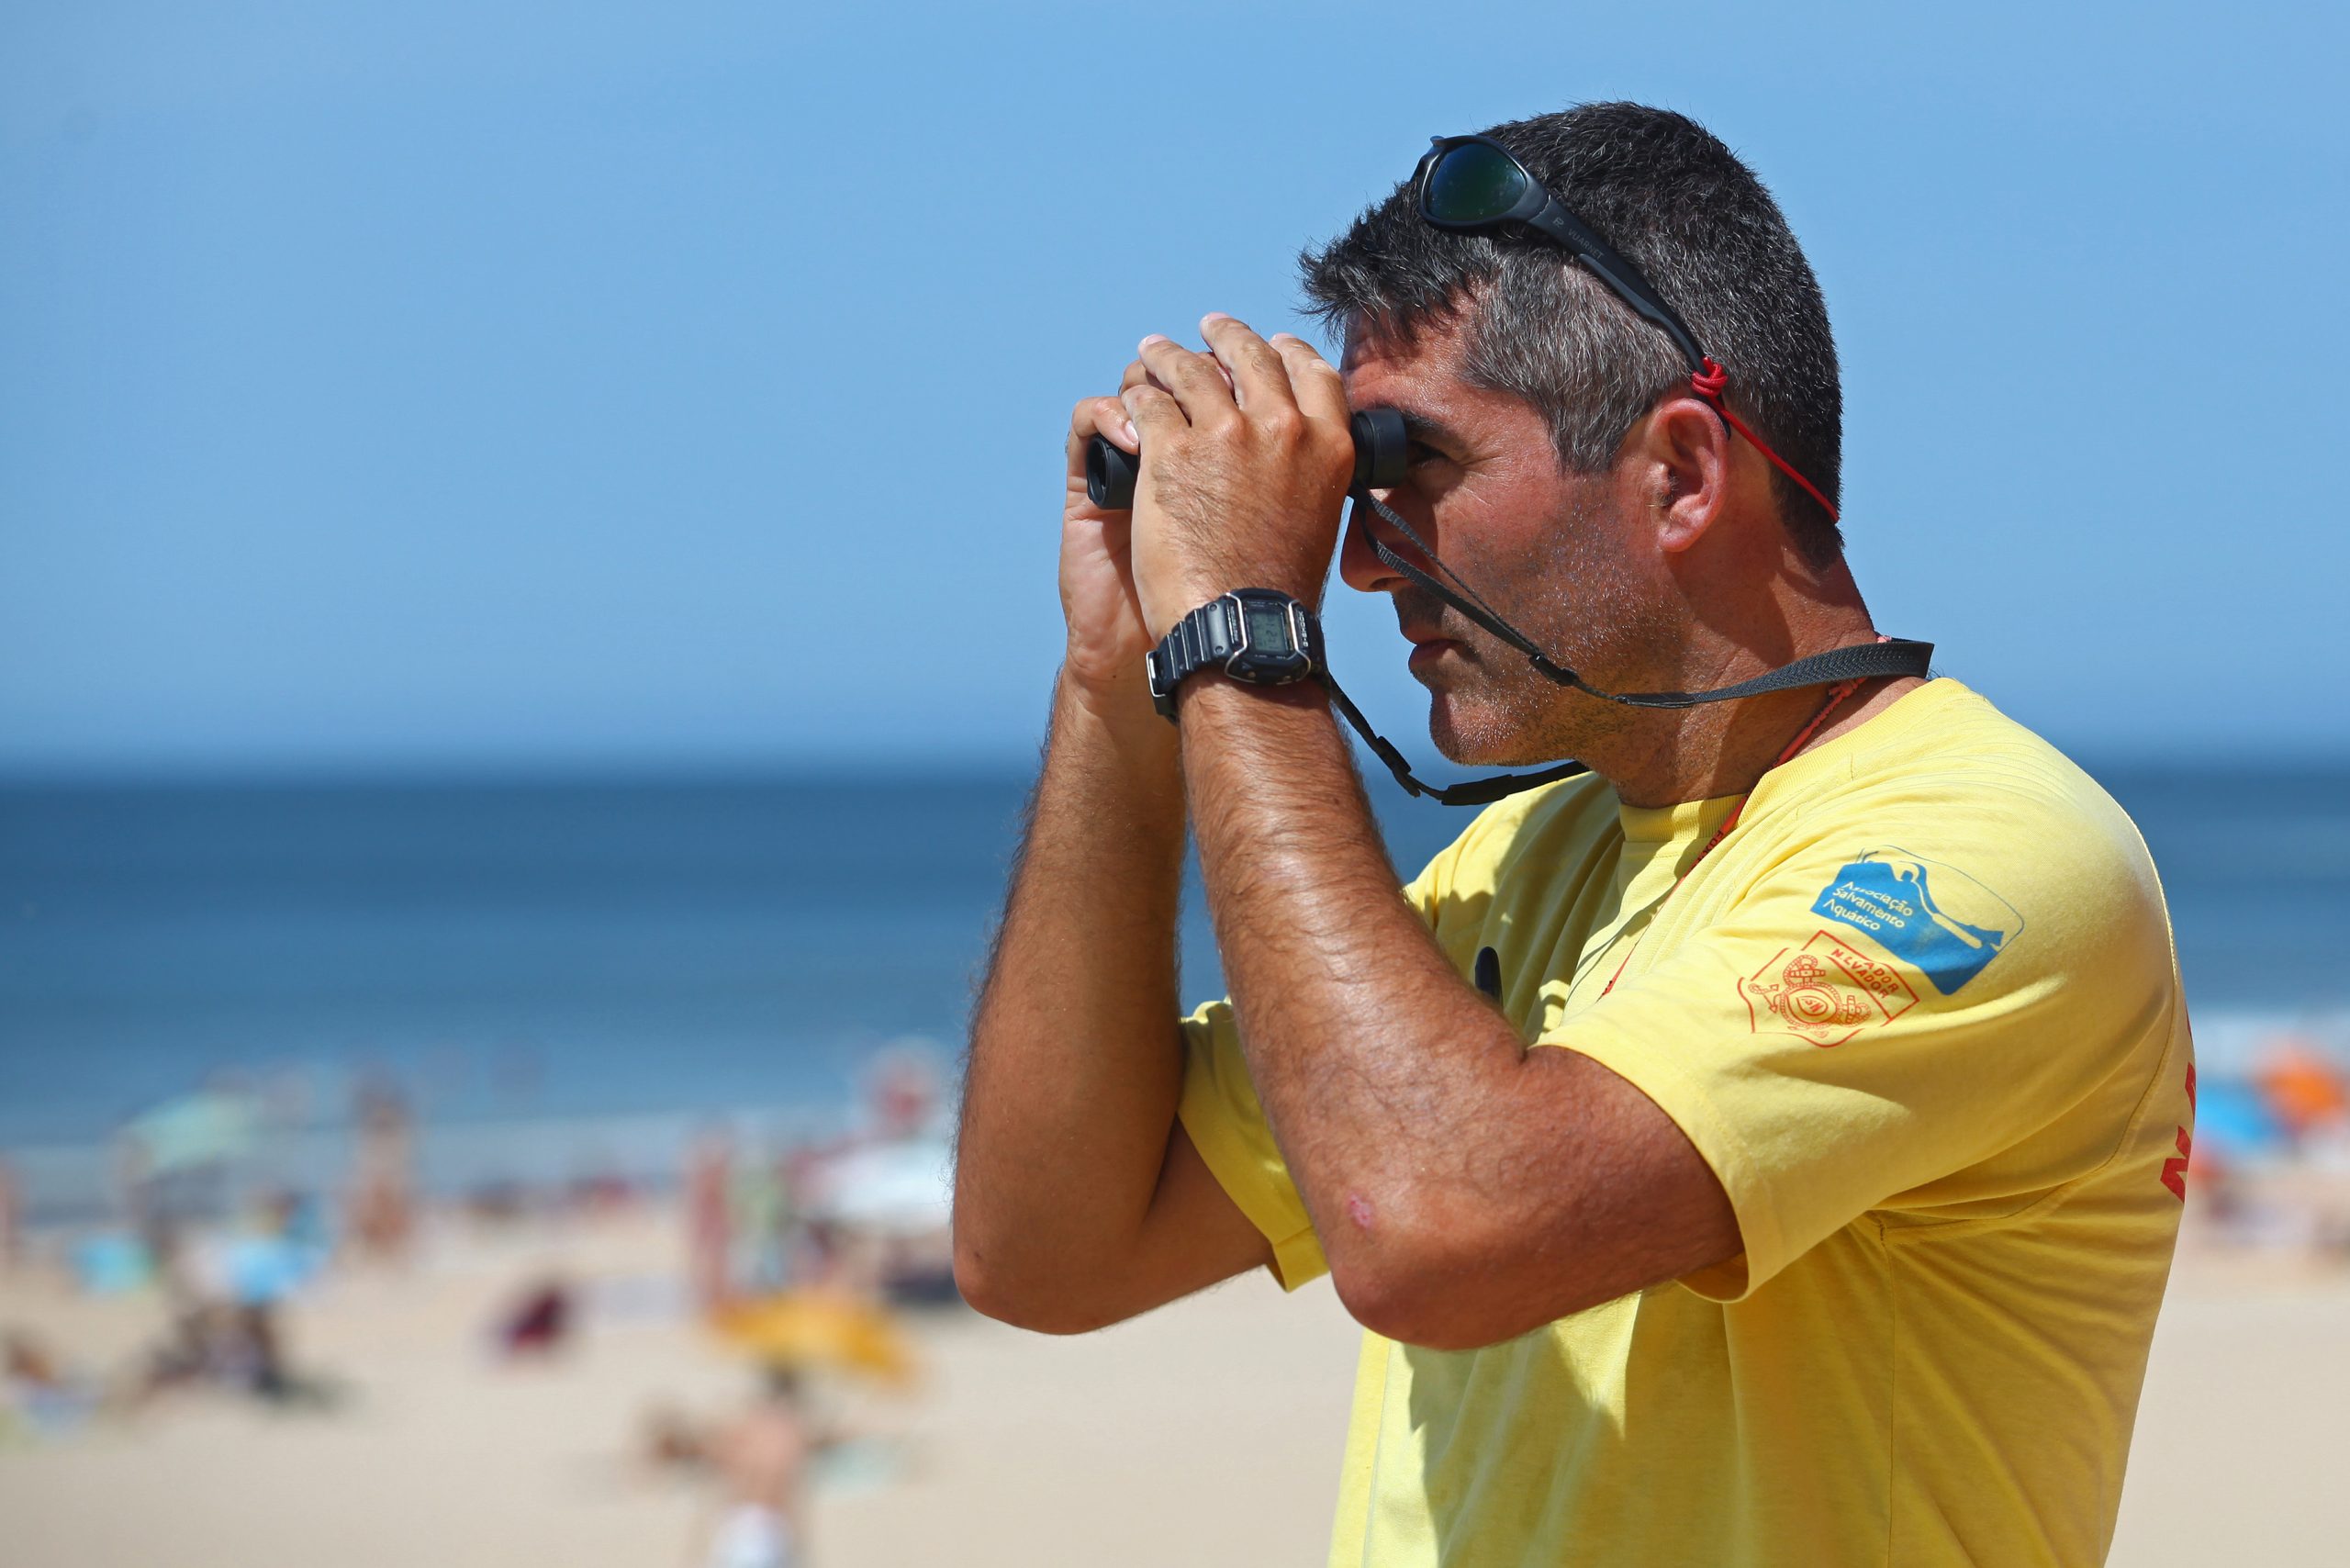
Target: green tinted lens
column 1472, row 183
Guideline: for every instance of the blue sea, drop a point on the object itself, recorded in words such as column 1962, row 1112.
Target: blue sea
column 535, row 951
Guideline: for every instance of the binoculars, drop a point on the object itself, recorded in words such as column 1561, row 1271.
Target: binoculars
column 1380, row 461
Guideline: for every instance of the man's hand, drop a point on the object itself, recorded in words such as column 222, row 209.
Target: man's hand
column 1106, row 636
column 1246, row 460
column 1078, row 1200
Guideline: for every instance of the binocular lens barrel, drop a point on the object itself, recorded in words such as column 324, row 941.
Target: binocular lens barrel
column 1380, row 448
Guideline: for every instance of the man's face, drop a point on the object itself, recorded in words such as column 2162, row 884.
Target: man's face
column 1563, row 557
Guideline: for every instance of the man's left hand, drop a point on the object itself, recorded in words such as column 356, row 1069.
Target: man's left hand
column 1245, row 461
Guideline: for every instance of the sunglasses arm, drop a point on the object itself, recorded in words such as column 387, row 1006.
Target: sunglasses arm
column 1619, row 277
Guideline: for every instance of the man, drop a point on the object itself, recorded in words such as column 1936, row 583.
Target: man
column 1767, row 1149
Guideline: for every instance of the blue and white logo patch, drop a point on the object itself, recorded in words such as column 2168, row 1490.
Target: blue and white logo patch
column 1941, row 920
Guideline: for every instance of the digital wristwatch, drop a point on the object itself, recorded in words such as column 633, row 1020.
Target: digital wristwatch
column 1257, row 635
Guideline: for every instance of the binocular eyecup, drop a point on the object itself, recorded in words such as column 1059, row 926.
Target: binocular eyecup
column 1379, row 461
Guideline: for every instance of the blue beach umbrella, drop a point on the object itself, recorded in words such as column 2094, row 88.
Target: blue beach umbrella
column 193, row 1131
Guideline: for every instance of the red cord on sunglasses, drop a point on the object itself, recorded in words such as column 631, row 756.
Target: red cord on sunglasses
column 1710, row 384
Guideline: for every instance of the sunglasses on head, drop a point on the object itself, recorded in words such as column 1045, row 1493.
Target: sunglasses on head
column 1472, row 183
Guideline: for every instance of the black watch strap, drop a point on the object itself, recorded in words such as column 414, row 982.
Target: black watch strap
column 1210, row 636
column 1199, row 640
column 1205, row 636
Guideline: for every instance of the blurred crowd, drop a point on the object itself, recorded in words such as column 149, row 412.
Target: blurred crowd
column 2268, row 1160
column 799, row 1257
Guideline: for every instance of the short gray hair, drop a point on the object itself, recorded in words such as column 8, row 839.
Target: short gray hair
column 1681, row 206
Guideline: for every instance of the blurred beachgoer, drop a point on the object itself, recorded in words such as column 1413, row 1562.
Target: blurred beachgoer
column 237, row 1346
column 230, row 1291
column 885, row 1205
column 383, row 1186
column 266, row 1258
column 143, row 1215
column 772, row 1225
column 812, row 1256
column 41, row 1395
column 500, row 1201
column 253, row 1345
column 601, row 1193
column 12, row 1219
column 760, row 1219
column 1735, row 1141
column 904, row 1091
column 34, row 1391
column 710, row 1179
column 874, row 1208
column 302, row 1221
column 762, row 1458
column 24, row 1359
column 541, row 1323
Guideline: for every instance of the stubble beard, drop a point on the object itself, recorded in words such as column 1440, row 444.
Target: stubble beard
column 1586, row 610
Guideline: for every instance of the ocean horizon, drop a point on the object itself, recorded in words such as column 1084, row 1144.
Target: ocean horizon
column 599, row 951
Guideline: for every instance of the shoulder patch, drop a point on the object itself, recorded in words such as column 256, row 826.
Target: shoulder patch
column 1826, row 992
column 1931, row 916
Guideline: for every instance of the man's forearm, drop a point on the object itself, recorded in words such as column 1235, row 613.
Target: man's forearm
column 1463, row 1188
column 1074, row 1071
column 1370, row 1053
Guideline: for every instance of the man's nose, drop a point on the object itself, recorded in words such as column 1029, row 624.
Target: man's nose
column 1358, row 564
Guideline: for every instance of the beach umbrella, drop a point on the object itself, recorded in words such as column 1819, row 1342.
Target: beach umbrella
column 817, row 1330
column 193, row 1131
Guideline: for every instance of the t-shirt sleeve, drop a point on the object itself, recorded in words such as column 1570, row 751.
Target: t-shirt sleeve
column 1220, row 1111
column 1878, row 1028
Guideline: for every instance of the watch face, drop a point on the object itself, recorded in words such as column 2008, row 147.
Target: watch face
column 1273, row 655
column 1268, row 626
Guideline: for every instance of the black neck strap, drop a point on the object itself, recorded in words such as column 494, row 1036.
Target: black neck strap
column 1864, row 661
column 1469, row 792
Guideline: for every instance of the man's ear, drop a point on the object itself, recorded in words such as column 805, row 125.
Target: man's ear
column 1685, row 450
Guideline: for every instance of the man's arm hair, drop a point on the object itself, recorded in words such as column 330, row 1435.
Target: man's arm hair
column 1078, row 1200
column 1465, row 1188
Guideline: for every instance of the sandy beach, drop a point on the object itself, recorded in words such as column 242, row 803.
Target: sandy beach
column 1207, row 1433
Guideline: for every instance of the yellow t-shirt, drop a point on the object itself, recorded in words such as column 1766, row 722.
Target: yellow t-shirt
column 1920, row 1013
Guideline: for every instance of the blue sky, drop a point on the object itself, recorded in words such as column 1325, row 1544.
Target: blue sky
column 463, row 384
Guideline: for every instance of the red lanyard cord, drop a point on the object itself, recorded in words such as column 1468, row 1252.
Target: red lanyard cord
column 1710, row 384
